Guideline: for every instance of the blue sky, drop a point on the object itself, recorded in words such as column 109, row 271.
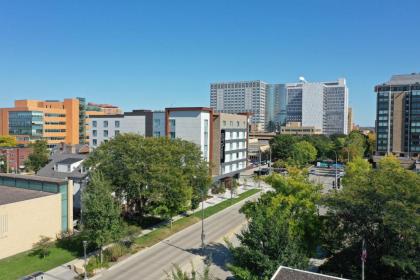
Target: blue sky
column 152, row 54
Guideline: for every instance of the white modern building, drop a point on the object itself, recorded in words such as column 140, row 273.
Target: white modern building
column 241, row 97
column 191, row 124
column 105, row 127
column 323, row 105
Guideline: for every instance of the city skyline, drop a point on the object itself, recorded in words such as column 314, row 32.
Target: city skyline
column 147, row 56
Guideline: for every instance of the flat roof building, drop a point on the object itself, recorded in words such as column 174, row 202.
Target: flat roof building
column 398, row 116
column 30, row 208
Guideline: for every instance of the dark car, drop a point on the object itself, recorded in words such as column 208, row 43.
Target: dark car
column 262, row 171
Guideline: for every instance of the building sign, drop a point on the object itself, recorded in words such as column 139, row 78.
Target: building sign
column 222, row 146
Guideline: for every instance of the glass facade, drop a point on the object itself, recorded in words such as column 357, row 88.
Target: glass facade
column 410, row 118
column 26, row 123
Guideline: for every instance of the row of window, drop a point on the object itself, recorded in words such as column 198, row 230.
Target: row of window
column 105, row 133
column 234, row 167
column 235, row 146
column 105, row 123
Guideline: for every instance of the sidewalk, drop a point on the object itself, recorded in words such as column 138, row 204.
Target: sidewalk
column 66, row 271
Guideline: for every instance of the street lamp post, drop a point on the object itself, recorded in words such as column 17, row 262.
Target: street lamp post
column 84, row 250
column 202, row 220
column 336, row 159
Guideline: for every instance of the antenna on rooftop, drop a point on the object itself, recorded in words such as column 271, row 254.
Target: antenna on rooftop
column 302, row 79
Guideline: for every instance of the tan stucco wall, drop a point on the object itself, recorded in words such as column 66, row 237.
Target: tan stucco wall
column 22, row 223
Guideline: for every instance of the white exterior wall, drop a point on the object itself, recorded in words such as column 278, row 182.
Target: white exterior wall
column 65, row 167
column 128, row 124
column 189, row 126
column 313, row 104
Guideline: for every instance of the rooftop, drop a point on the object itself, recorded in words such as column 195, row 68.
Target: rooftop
column 286, row 273
column 70, row 160
column 63, row 158
column 32, row 178
column 405, row 79
column 11, row 195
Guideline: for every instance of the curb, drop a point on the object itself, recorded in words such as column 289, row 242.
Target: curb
column 175, row 233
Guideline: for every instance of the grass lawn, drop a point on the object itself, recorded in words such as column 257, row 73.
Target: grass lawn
column 25, row 263
column 162, row 233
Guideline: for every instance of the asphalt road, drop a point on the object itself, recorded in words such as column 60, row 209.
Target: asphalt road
column 182, row 248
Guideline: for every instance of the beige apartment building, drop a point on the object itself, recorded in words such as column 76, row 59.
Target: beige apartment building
column 295, row 128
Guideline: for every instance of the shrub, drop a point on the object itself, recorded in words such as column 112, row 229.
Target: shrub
column 43, row 247
column 115, row 252
column 95, row 263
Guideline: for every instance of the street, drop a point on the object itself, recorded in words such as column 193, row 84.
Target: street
column 183, row 248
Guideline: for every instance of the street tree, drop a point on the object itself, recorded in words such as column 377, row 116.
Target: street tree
column 280, row 146
column 303, row 153
column 39, row 155
column 283, row 229
column 101, row 212
column 381, row 206
column 142, row 172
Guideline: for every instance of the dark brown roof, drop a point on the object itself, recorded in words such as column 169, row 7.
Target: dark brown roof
column 11, row 195
column 286, row 273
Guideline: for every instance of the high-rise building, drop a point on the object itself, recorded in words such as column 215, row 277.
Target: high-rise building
column 323, row 105
column 275, row 104
column 398, row 116
column 54, row 121
column 241, row 97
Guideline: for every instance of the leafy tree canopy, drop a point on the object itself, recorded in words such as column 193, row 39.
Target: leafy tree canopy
column 7, row 141
column 101, row 212
column 39, row 156
column 382, row 206
column 152, row 174
column 282, row 230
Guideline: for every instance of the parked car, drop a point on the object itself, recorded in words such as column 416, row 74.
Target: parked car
column 262, row 171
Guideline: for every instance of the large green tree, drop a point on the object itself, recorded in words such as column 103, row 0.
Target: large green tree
column 39, row 155
column 381, row 206
column 101, row 212
column 152, row 174
column 282, row 230
column 280, row 146
column 303, row 153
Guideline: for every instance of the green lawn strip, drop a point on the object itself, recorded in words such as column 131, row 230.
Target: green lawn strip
column 23, row 264
column 160, row 234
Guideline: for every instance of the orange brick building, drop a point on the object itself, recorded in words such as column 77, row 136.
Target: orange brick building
column 55, row 121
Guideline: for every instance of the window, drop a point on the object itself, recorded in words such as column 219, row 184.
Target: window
column 117, row 132
column 117, row 123
column 224, row 123
column 94, row 133
column 156, row 122
column 172, row 135
column 172, row 122
column 231, row 123
column 94, row 123
column 105, row 123
column 105, row 133
column 95, row 142
column 157, row 134
column 237, row 123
